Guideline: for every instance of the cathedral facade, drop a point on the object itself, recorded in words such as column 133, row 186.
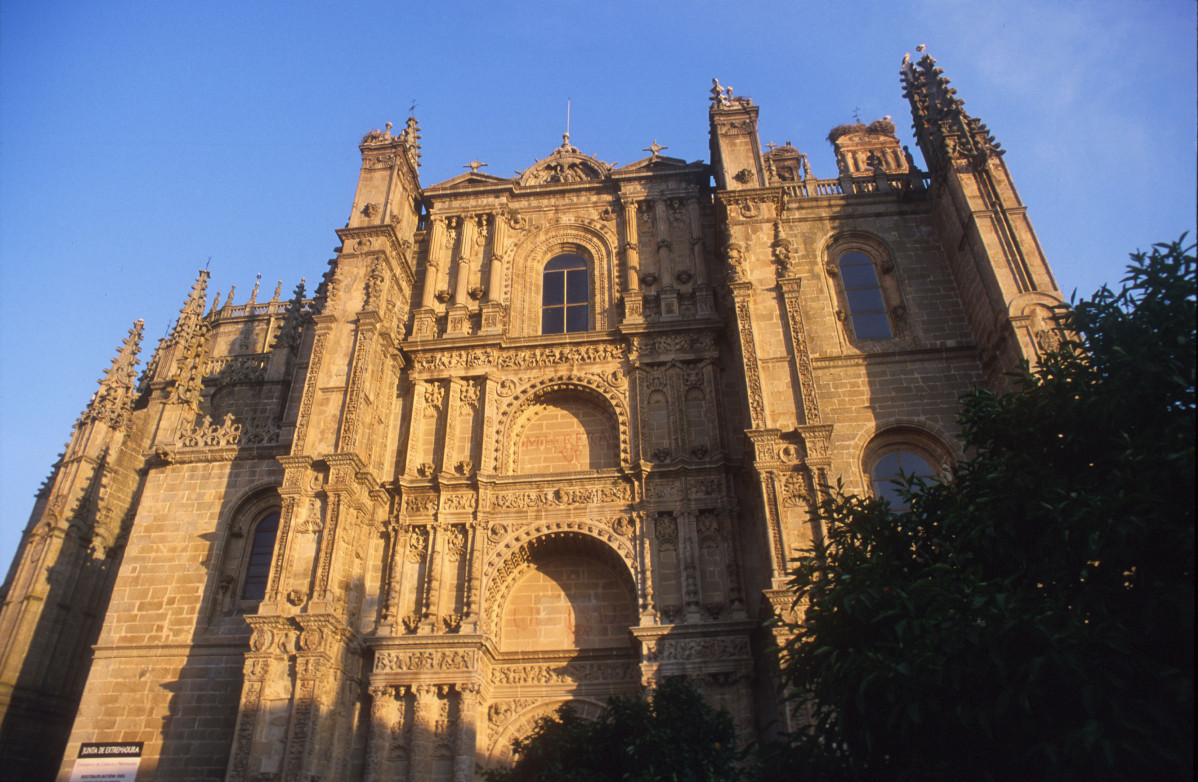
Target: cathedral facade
column 531, row 441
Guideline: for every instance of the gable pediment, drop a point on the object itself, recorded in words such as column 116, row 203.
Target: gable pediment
column 468, row 179
column 565, row 165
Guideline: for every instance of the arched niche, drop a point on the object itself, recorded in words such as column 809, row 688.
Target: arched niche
column 555, row 589
column 513, row 722
column 560, row 425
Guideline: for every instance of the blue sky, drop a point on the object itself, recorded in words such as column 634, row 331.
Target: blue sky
column 141, row 141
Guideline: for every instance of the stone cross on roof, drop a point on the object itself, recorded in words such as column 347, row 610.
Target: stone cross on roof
column 654, row 148
column 474, row 166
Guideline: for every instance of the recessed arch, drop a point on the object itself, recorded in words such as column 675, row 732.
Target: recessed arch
column 242, row 548
column 524, row 550
column 574, row 393
column 521, row 723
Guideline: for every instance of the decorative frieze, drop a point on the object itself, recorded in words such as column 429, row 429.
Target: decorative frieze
column 496, row 358
column 561, row 496
column 660, row 650
column 207, row 434
column 424, row 660
column 565, row 673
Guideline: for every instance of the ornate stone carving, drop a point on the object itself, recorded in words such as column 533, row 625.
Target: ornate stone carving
column 417, row 544
column 693, row 649
column 229, row 432
column 425, row 660
column 556, row 497
column 794, row 490
column 434, row 396
column 666, row 531
column 624, row 526
column 565, row 673
column 512, row 358
column 455, row 543
column 470, row 392
column 459, row 501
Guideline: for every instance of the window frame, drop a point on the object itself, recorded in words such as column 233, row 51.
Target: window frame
column 247, row 559
column 570, row 305
column 885, row 274
column 854, row 314
column 904, row 439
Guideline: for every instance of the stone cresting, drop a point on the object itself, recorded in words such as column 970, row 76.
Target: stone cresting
column 377, row 532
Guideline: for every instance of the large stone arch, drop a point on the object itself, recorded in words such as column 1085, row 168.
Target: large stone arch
column 518, row 553
column 515, row 414
column 512, row 719
column 584, row 237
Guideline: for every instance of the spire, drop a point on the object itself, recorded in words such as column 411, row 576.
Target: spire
column 291, row 332
column 190, row 340
column 193, row 310
column 410, row 136
column 944, row 130
column 113, row 402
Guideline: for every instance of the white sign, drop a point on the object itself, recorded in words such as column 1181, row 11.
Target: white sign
column 115, row 761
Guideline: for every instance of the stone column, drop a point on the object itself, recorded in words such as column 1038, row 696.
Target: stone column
column 665, row 261
column 492, row 307
column 458, row 319
column 695, row 224
column 467, row 738
column 436, row 240
column 432, row 578
column 633, row 304
column 382, row 720
column 462, row 283
column 688, row 548
column 415, row 428
column 470, row 589
column 498, row 253
column 423, row 739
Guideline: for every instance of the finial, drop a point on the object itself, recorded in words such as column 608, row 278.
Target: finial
column 229, row 301
column 566, row 140
column 278, row 290
column 474, row 166
column 111, row 403
column 387, row 130
column 921, row 48
column 771, row 145
column 254, row 292
column 655, row 148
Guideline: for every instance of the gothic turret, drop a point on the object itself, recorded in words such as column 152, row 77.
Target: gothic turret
column 735, row 148
column 992, row 250
column 113, row 401
column 58, row 587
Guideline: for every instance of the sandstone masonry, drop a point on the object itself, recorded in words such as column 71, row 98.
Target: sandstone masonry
column 530, row 441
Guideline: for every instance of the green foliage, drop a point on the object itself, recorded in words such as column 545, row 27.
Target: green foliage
column 1032, row 616
column 672, row 735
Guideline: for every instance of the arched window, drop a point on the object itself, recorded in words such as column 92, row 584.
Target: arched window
column 257, row 568
column 900, row 452
column 891, row 471
column 867, row 307
column 565, row 295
